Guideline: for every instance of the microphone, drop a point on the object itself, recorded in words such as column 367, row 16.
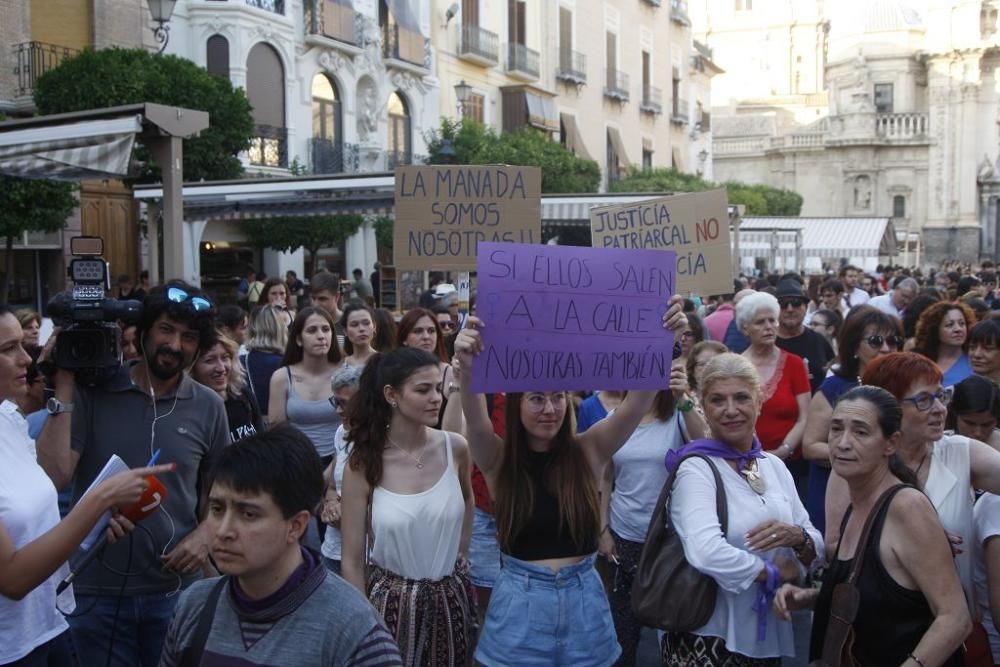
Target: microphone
column 148, row 503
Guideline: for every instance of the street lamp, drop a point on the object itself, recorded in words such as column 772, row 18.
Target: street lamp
column 462, row 90
column 161, row 11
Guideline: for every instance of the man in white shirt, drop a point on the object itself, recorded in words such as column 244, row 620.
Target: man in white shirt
column 853, row 294
column 898, row 298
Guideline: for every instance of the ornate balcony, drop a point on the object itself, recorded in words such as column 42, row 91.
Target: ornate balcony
column 269, row 146
column 652, row 100
column 332, row 20
column 478, row 45
column 679, row 113
column 34, row 59
column 327, row 156
column 572, row 67
column 276, row 6
column 522, row 62
column 616, row 85
column 902, row 126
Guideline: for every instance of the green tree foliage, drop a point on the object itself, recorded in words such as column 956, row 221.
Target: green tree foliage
column 384, row 236
column 288, row 234
column 475, row 143
column 758, row 199
column 115, row 77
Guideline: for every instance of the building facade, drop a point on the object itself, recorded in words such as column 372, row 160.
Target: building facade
column 904, row 126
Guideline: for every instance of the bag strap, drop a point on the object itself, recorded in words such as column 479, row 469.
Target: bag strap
column 205, row 618
column 859, row 551
column 721, row 507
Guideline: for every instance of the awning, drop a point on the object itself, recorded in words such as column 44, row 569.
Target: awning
column 574, row 140
column 89, row 150
column 618, row 145
column 678, row 160
column 834, row 238
column 541, row 112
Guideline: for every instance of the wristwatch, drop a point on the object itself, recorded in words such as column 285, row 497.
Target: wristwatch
column 56, row 407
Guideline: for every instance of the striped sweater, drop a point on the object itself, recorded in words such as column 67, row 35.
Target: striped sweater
column 322, row 621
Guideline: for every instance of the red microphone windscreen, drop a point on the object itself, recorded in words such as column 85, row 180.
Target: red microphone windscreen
column 149, row 502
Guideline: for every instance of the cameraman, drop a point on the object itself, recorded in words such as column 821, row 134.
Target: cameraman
column 125, row 603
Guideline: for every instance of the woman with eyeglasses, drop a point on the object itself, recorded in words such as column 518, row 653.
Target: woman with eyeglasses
column 345, row 385
column 548, row 604
column 868, row 333
column 943, row 337
column 785, row 388
column 694, row 334
column 300, row 390
column 948, row 468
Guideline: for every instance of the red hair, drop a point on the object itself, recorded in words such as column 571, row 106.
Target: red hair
column 898, row 371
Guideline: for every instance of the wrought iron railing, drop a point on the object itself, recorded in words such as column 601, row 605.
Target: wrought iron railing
column 572, row 66
column 269, row 146
column 652, row 99
column 33, row 59
column 392, row 48
column 395, row 159
column 479, row 42
column 327, row 156
column 679, row 113
column 330, row 19
column 522, row 59
column 616, row 85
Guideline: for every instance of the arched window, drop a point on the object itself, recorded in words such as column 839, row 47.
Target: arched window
column 899, row 206
column 398, row 143
column 266, row 92
column 217, row 56
column 327, row 128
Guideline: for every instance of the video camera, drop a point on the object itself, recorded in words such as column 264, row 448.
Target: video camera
column 90, row 340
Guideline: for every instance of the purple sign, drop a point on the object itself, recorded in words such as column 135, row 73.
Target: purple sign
column 562, row 317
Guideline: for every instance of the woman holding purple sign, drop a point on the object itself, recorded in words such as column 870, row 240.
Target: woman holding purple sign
column 548, row 604
column 768, row 539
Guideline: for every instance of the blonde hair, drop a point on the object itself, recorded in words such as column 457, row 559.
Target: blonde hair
column 268, row 331
column 729, row 366
column 237, row 376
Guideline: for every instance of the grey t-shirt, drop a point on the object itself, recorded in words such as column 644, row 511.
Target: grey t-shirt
column 117, row 418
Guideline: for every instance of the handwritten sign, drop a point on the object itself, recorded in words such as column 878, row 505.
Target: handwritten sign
column 444, row 212
column 562, row 317
column 694, row 225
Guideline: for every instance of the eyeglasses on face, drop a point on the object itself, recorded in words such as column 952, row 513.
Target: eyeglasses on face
column 793, row 302
column 876, row 341
column 925, row 400
column 818, row 323
column 537, row 402
column 446, row 324
column 177, row 295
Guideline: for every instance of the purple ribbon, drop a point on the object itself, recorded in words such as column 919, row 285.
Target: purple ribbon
column 765, row 596
column 711, row 447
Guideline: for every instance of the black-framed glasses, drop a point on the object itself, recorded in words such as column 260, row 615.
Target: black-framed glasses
column 876, row 341
column 198, row 303
column 925, row 399
column 794, row 302
column 338, row 403
column 818, row 323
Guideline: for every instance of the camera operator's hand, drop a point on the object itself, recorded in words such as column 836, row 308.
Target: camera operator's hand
column 62, row 379
column 192, row 552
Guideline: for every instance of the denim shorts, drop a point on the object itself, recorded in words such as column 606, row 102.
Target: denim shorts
column 484, row 554
column 539, row 617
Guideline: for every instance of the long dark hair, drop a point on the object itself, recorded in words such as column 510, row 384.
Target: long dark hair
column 973, row 394
column 385, row 330
column 568, row 477
column 890, row 421
column 410, row 319
column 370, row 412
column 352, row 307
column 293, row 349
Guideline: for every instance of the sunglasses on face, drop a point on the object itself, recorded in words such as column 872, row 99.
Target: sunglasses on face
column 177, row 295
column 876, row 341
column 793, row 302
column 448, row 326
column 924, row 400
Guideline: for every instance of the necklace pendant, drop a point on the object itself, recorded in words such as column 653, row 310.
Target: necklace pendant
column 420, row 466
column 754, row 478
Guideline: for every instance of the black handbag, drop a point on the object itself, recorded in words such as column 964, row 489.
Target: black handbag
column 667, row 592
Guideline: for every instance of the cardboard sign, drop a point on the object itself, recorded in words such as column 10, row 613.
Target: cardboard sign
column 562, row 317
column 694, row 225
column 444, row 212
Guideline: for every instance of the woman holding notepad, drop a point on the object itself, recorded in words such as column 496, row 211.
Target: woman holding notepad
column 34, row 543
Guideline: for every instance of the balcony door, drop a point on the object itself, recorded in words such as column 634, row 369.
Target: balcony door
column 327, row 126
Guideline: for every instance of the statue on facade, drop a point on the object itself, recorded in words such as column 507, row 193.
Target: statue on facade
column 367, row 109
column 862, row 193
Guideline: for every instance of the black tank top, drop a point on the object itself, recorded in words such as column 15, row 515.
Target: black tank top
column 891, row 619
column 543, row 536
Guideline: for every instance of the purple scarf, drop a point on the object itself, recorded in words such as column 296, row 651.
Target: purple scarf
column 710, row 447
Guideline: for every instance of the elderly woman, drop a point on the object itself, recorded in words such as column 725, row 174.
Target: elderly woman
column 943, row 337
column 911, row 609
column 946, row 467
column 785, row 386
column 768, row 539
column 868, row 333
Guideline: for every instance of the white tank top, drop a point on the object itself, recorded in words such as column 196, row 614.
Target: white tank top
column 416, row 535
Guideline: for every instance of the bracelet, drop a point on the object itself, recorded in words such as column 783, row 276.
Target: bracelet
column 791, row 450
column 807, row 542
column 916, row 660
column 605, row 529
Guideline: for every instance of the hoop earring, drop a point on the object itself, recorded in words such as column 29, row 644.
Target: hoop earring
column 393, row 404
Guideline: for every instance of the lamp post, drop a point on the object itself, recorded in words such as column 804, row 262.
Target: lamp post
column 462, row 90
column 161, row 11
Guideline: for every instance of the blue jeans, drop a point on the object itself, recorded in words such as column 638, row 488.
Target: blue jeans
column 541, row 618
column 138, row 634
column 484, row 553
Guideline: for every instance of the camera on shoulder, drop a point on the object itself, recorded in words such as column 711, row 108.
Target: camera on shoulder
column 89, row 343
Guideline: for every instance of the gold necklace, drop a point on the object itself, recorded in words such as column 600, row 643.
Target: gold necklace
column 417, row 460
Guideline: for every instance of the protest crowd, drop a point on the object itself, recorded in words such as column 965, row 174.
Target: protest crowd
column 310, row 479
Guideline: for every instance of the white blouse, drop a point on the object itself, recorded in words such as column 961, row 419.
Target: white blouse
column 725, row 557
column 949, row 487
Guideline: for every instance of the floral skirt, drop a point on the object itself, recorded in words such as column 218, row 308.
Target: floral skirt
column 434, row 622
column 684, row 649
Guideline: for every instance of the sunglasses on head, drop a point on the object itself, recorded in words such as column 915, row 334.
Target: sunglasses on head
column 876, row 341
column 198, row 303
column 794, row 302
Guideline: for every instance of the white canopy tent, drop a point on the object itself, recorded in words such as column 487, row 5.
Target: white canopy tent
column 806, row 243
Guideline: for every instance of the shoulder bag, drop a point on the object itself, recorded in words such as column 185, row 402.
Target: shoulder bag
column 667, row 592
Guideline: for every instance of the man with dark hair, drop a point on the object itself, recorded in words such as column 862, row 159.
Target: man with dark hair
column 850, row 276
column 232, row 320
column 797, row 339
column 361, row 287
column 277, row 604
column 149, row 409
column 324, row 290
